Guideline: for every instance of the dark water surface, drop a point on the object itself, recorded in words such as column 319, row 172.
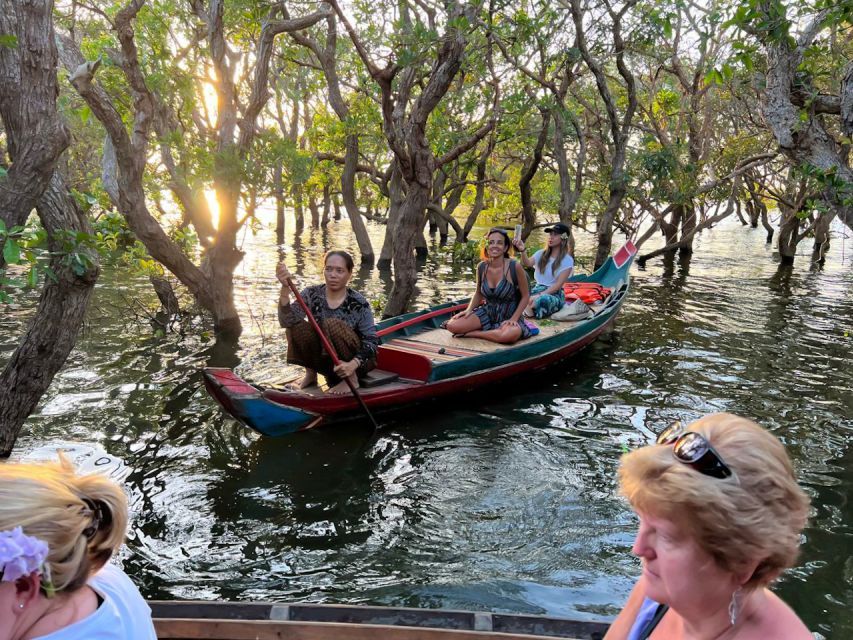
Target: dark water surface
column 502, row 502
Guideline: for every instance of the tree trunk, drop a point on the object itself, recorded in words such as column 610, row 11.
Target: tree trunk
column 531, row 166
column 35, row 135
column 568, row 196
column 53, row 330
column 36, row 138
column 409, row 229
column 336, row 205
column 421, row 246
column 480, row 193
column 350, row 204
column 436, row 222
column 688, row 226
column 789, row 228
column 327, row 206
column 395, row 190
column 278, row 186
column 605, row 225
column 314, row 208
column 670, row 228
column 765, row 222
column 821, row 238
column 298, row 209
column 453, row 202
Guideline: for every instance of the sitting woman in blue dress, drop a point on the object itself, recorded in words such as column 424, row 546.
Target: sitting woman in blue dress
column 494, row 312
column 552, row 266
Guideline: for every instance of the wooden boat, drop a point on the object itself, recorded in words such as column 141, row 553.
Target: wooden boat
column 418, row 361
column 265, row 621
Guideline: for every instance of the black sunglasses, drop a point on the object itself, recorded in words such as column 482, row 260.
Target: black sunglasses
column 693, row 449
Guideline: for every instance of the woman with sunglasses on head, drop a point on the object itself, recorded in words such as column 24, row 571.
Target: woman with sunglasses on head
column 345, row 317
column 58, row 531
column 494, row 312
column 552, row 266
column 720, row 518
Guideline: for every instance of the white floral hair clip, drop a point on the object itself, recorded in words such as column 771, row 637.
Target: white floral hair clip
column 20, row 555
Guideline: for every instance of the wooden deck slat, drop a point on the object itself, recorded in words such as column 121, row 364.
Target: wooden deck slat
column 187, row 629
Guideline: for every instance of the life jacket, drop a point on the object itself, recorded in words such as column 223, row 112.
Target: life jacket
column 589, row 292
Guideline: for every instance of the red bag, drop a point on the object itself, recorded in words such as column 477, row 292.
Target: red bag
column 589, row 292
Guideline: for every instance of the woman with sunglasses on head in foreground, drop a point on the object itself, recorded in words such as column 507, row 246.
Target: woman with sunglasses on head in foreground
column 58, row 531
column 345, row 317
column 494, row 312
column 720, row 518
column 552, row 266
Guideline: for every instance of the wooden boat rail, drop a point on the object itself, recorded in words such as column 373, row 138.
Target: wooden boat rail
column 262, row 621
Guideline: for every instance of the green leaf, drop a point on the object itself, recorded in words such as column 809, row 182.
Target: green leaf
column 50, row 273
column 33, row 277
column 2, row 226
column 3, row 172
column 11, row 251
column 8, row 40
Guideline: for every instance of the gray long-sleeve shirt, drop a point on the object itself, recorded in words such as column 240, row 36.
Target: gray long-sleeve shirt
column 354, row 310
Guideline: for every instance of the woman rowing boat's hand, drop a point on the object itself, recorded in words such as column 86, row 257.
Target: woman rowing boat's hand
column 345, row 317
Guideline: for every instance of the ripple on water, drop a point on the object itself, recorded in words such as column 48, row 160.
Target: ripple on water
column 504, row 500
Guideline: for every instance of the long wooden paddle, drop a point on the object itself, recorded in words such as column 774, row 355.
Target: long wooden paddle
column 330, row 350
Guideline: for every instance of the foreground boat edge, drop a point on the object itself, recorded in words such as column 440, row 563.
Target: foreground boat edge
column 232, row 620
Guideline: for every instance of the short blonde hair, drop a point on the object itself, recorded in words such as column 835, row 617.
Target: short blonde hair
column 82, row 518
column 754, row 516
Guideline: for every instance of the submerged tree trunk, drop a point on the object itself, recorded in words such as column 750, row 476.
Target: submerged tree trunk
column 278, row 186
column 821, row 238
column 53, row 330
column 789, row 229
column 350, row 204
column 327, row 206
column 480, row 193
column 314, row 208
column 36, row 138
column 408, row 231
column 395, row 193
column 688, row 229
column 528, row 172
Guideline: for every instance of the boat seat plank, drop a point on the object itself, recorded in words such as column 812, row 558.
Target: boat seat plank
column 423, row 343
column 211, row 629
column 435, row 357
column 377, row 378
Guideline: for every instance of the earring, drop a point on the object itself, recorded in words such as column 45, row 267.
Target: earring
column 734, row 606
column 20, row 605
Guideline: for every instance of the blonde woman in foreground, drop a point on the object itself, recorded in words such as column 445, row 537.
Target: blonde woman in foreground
column 720, row 518
column 58, row 530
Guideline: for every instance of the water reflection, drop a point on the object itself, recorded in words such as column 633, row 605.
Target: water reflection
column 501, row 501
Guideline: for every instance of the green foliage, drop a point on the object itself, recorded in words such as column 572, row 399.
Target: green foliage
column 467, row 251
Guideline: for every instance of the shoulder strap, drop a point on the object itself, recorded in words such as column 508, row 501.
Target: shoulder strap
column 513, row 273
column 660, row 612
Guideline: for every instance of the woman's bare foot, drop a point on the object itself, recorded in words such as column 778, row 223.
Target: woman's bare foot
column 342, row 387
column 308, row 380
